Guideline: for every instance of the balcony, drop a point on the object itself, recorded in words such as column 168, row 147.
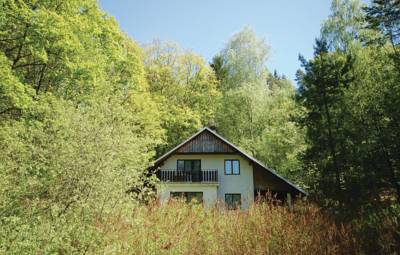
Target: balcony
column 203, row 176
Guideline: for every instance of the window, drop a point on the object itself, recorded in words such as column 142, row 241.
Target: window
column 195, row 197
column 233, row 201
column 191, row 168
column 180, row 165
column 188, row 165
column 232, row 167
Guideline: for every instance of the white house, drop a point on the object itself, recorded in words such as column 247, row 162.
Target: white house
column 208, row 168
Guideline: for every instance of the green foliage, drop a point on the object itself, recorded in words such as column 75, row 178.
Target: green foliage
column 344, row 24
column 13, row 94
column 184, row 86
column 66, row 169
column 351, row 95
column 71, row 49
column 384, row 16
column 381, row 224
column 321, row 93
column 258, row 110
column 83, row 112
column 243, row 59
column 78, row 125
column 352, row 122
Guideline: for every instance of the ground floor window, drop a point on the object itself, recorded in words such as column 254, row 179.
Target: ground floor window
column 233, row 201
column 196, row 197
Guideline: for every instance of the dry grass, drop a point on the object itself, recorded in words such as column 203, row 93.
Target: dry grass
column 179, row 228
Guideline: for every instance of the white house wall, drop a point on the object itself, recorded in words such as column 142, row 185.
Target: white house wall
column 238, row 184
column 210, row 193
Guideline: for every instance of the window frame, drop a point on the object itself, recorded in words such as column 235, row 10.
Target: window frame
column 237, row 206
column 231, row 160
column 177, row 163
column 185, row 195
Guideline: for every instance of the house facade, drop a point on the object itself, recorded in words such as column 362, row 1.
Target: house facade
column 209, row 169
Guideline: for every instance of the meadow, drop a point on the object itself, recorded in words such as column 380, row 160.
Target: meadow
column 266, row 228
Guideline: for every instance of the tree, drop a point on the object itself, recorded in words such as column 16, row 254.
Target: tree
column 344, row 26
column 257, row 110
column 384, row 16
column 321, row 92
column 217, row 65
column 243, row 59
column 184, row 86
column 349, row 94
column 374, row 98
column 78, row 125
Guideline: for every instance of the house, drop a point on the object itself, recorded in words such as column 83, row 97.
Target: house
column 208, row 168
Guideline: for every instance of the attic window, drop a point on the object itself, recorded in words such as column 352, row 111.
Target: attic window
column 232, row 167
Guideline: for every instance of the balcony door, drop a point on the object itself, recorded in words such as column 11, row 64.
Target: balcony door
column 190, row 167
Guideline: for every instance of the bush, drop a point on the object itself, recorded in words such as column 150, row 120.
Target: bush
column 378, row 229
column 63, row 169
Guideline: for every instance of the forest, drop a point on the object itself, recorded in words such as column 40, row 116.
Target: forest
column 85, row 110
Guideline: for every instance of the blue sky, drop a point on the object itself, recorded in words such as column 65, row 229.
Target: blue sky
column 288, row 26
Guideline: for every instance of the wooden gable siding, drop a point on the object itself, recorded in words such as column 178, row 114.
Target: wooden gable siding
column 206, row 143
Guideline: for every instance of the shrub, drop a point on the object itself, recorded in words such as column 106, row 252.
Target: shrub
column 378, row 229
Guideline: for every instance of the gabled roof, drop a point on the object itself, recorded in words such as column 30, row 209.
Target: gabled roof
column 239, row 151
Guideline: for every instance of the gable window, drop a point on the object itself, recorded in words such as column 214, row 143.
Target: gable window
column 233, row 201
column 232, row 167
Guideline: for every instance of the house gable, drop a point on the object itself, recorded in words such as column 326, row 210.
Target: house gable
column 207, row 141
column 242, row 183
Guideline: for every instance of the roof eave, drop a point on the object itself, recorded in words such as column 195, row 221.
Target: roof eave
column 166, row 155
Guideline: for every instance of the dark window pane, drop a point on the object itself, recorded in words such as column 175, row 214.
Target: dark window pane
column 228, row 199
column 181, row 165
column 237, row 200
column 196, row 170
column 196, row 165
column 233, row 201
column 188, row 165
column 177, row 195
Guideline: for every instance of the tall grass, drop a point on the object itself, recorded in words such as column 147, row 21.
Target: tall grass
column 179, row 228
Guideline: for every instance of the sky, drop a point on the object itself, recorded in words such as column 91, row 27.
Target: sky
column 205, row 26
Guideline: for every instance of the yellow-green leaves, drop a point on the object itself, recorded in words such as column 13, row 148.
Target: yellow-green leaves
column 78, row 126
column 185, row 88
column 14, row 96
column 257, row 109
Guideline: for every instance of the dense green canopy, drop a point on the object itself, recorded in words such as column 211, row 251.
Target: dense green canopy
column 84, row 110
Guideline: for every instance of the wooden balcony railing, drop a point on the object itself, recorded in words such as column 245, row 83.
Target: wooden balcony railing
column 204, row 176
